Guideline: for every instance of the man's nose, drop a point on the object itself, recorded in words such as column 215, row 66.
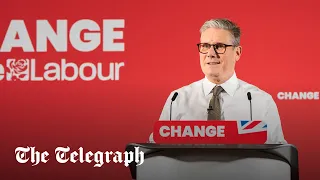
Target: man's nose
column 212, row 53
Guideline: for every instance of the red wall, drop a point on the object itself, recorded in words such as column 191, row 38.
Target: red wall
column 280, row 43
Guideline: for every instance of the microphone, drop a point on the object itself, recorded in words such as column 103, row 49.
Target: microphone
column 173, row 99
column 249, row 98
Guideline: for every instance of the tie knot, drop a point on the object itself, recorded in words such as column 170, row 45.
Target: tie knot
column 217, row 90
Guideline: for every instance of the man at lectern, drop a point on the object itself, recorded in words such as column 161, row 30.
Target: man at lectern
column 220, row 95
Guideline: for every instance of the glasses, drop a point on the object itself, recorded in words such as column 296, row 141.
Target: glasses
column 219, row 48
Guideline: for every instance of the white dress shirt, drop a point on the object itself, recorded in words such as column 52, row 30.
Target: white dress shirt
column 192, row 103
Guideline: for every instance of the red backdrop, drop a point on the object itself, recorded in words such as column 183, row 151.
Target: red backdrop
column 280, row 54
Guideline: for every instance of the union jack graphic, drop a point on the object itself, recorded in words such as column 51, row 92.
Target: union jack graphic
column 246, row 126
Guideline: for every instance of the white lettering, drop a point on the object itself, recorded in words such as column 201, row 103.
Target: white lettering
column 211, row 131
column 118, row 157
column 139, row 156
column 310, row 95
column 33, row 71
column 295, row 95
column 108, row 154
column 36, row 156
column 192, row 131
column 73, row 156
column 303, row 95
column 64, row 67
column 81, row 159
column 109, row 35
column 45, row 32
column 88, row 155
column 280, row 95
column 111, row 74
column 287, row 95
column 54, row 69
column 63, row 71
column 128, row 158
column 21, row 154
column 175, row 130
column 17, row 36
column 43, row 157
column 61, row 155
column 118, row 66
column 298, row 95
column 91, row 39
column 187, row 132
column 162, row 129
column 220, row 132
column 17, row 28
column 1, row 72
column 98, row 159
column 93, row 71
column 198, row 131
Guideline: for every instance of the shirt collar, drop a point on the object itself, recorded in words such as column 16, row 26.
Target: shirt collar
column 230, row 86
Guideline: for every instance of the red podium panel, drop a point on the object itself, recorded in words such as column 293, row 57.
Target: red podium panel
column 210, row 132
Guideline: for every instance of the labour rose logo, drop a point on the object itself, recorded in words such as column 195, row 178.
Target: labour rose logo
column 18, row 69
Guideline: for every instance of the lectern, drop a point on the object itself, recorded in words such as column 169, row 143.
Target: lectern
column 215, row 162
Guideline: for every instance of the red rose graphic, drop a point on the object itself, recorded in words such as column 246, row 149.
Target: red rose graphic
column 18, row 66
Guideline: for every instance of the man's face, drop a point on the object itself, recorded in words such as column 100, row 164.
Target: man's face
column 218, row 67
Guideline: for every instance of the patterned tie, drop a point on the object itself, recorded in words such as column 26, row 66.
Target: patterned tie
column 214, row 110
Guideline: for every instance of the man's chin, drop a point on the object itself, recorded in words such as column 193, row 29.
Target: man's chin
column 213, row 74
column 214, row 77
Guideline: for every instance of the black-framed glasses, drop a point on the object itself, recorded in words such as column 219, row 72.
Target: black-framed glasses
column 219, row 48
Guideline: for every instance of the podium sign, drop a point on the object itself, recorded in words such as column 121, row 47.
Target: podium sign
column 210, row 132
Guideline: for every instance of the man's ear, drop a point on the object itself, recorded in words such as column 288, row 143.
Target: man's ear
column 238, row 52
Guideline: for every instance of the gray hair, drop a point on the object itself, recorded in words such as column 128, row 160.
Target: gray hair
column 224, row 24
